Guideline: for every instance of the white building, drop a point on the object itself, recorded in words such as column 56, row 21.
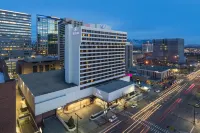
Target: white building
column 94, row 67
column 94, row 53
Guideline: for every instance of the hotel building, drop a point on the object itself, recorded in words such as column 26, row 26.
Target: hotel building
column 94, row 71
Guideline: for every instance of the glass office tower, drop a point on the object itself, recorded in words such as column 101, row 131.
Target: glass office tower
column 47, row 35
column 15, row 34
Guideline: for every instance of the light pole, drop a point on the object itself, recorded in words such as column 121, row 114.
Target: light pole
column 78, row 117
column 194, row 106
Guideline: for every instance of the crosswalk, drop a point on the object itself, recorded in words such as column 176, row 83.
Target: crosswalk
column 153, row 127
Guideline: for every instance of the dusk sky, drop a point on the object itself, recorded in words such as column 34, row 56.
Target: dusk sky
column 142, row 19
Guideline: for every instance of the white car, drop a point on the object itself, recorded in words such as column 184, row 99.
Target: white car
column 134, row 106
column 112, row 118
column 157, row 91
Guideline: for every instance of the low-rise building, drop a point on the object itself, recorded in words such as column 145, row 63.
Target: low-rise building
column 49, row 91
column 7, row 101
column 154, row 72
column 37, row 64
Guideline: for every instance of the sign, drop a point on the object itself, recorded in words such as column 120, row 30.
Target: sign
column 75, row 32
column 102, row 26
column 98, row 94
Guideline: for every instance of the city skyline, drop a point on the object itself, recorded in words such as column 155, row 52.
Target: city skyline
column 142, row 20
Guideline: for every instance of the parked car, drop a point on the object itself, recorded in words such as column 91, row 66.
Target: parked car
column 158, row 91
column 112, row 118
column 134, row 106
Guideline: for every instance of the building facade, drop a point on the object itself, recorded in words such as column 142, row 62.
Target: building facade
column 61, row 37
column 38, row 64
column 7, row 100
column 147, row 47
column 94, row 70
column 169, row 50
column 94, row 53
column 47, row 35
column 15, row 34
column 155, row 73
column 129, row 56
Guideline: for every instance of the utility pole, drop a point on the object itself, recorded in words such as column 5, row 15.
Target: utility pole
column 78, row 117
column 194, row 106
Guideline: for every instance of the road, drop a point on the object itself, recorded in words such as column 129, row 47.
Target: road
column 167, row 113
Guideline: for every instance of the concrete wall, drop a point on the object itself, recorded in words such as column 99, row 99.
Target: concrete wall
column 109, row 97
column 72, row 55
column 51, row 101
column 27, row 94
column 119, row 93
column 100, row 94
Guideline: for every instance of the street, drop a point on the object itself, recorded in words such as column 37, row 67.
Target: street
column 167, row 113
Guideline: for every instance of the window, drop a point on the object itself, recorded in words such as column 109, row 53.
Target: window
column 41, row 68
column 46, row 67
column 34, row 69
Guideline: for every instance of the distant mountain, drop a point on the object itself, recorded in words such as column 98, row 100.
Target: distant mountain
column 138, row 43
column 192, row 45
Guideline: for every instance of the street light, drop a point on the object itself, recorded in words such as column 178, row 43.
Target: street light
column 78, row 117
column 194, row 106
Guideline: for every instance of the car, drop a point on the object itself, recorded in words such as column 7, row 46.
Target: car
column 157, row 91
column 112, row 118
column 134, row 106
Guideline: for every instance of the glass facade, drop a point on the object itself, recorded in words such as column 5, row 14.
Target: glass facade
column 47, row 35
column 15, row 34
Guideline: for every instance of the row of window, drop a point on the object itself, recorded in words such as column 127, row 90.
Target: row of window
column 102, row 58
column 103, row 73
column 99, row 70
column 106, row 47
column 104, row 43
column 101, row 64
column 102, row 50
column 102, row 53
column 102, row 36
column 101, row 78
column 103, row 32
column 101, row 61
column 103, row 40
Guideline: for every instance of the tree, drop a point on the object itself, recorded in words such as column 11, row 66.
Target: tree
column 70, row 122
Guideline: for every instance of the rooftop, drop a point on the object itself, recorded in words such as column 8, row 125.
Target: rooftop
column 155, row 68
column 46, row 82
column 40, row 58
column 113, row 85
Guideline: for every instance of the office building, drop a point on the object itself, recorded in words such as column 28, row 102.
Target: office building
column 154, row 72
column 169, row 50
column 15, row 34
column 129, row 55
column 37, row 64
column 47, row 35
column 7, row 100
column 94, row 70
column 147, row 47
column 61, row 37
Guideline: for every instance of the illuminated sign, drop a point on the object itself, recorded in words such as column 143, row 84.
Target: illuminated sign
column 75, row 32
column 102, row 26
column 98, row 94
